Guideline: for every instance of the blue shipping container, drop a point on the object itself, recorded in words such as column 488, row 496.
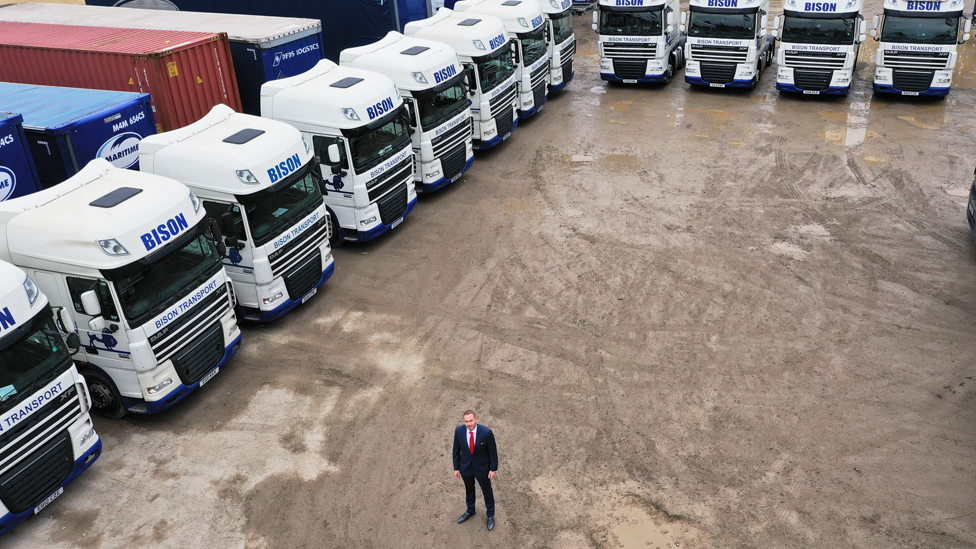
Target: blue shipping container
column 66, row 128
column 256, row 65
column 18, row 176
column 345, row 23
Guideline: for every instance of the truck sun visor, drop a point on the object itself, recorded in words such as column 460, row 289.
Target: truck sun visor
column 243, row 136
column 115, row 197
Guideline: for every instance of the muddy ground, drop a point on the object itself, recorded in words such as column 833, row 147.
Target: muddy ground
column 692, row 318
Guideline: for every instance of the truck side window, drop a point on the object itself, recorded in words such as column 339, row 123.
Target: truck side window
column 216, row 210
column 321, row 145
column 78, row 286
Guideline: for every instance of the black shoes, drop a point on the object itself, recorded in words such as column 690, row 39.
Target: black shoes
column 491, row 523
column 465, row 516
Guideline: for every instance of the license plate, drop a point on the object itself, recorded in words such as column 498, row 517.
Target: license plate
column 717, row 85
column 507, row 135
column 909, row 93
column 455, row 178
column 209, row 376
column 626, row 81
column 309, row 295
column 49, row 499
column 811, row 92
column 395, row 223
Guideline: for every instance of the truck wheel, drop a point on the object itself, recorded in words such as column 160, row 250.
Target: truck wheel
column 670, row 72
column 335, row 240
column 106, row 401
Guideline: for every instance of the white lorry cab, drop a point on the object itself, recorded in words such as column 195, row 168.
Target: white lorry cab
column 638, row 40
column 357, row 126
column 819, row 43
column 526, row 28
column 561, row 42
column 728, row 44
column 258, row 179
column 918, row 46
column 132, row 259
column 46, row 434
column 485, row 51
column 433, row 85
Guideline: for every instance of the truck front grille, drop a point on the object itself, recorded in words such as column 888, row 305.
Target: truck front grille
column 719, row 54
column 913, row 81
column 389, row 179
column 629, row 51
column 812, row 80
column 815, row 59
column 301, row 281
column 36, row 452
column 539, row 94
column 539, row 75
column 567, row 53
column 453, row 162
column 450, row 139
column 897, row 59
column 503, row 100
column 393, row 205
column 629, row 70
column 201, row 355
column 717, row 73
column 504, row 122
column 297, row 250
column 177, row 334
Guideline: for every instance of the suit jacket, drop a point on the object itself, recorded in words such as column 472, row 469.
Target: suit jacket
column 485, row 456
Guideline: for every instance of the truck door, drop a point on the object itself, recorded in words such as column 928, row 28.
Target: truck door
column 107, row 348
column 239, row 263
column 336, row 181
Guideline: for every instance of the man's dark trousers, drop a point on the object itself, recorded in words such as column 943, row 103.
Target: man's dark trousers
column 476, row 465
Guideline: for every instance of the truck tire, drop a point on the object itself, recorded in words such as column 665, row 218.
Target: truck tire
column 335, row 240
column 106, row 400
column 670, row 70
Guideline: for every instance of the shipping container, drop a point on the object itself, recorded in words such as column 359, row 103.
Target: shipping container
column 66, row 128
column 345, row 23
column 17, row 173
column 187, row 73
column 263, row 48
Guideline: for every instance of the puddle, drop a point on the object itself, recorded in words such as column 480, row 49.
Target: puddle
column 855, row 130
column 639, row 530
column 612, row 121
column 874, row 160
column 578, row 158
column 736, row 143
column 834, row 116
column 924, row 125
column 620, row 106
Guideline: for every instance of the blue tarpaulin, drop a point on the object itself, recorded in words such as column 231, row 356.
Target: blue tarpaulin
column 345, row 23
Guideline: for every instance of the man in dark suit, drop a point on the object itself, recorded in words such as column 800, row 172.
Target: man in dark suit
column 475, row 457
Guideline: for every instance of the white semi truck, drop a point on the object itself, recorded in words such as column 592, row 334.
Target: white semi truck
column 47, row 437
column 819, row 43
column 561, row 42
column 918, row 46
column 638, row 40
column 525, row 25
column 728, row 44
column 358, row 129
column 257, row 177
column 485, row 51
column 133, row 260
column 433, row 85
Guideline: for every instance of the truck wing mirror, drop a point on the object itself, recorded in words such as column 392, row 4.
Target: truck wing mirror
column 227, row 223
column 763, row 25
column 967, row 26
column 594, row 27
column 669, row 29
column 65, row 323
column 73, row 342
column 89, row 303
column 596, row 18
column 861, row 38
column 874, row 34
column 776, row 22
column 875, row 22
column 234, row 242
column 472, row 83
column 215, row 230
column 684, row 18
column 670, row 21
column 334, row 154
column 965, row 38
column 862, row 28
column 97, row 324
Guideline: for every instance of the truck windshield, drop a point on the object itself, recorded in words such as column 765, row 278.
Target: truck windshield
column 534, row 46
column 806, row 30
column 439, row 107
column 920, row 30
column 616, row 23
column 33, row 355
column 740, row 26
column 497, row 69
column 379, row 144
column 275, row 209
column 562, row 26
column 147, row 290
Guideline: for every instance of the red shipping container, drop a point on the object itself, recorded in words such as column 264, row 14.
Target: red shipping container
column 187, row 73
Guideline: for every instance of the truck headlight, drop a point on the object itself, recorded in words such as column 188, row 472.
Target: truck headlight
column 195, row 201
column 523, row 22
column 31, row 290
column 158, row 388
column 350, row 114
column 478, row 44
column 364, row 222
column 273, row 298
column 112, row 247
column 419, row 77
column 247, row 177
column 87, row 436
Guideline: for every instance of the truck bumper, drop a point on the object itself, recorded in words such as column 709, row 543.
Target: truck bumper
column 442, row 182
column 696, row 81
column 140, row 406
column 931, row 92
column 556, row 88
column 647, row 79
column 366, row 236
column 833, row 90
column 257, row 315
column 8, row 521
column 484, row 145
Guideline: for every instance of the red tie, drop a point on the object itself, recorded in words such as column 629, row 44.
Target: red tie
column 472, row 442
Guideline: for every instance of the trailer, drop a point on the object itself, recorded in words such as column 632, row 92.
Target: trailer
column 187, row 73
column 66, row 128
column 263, row 48
column 18, row 175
